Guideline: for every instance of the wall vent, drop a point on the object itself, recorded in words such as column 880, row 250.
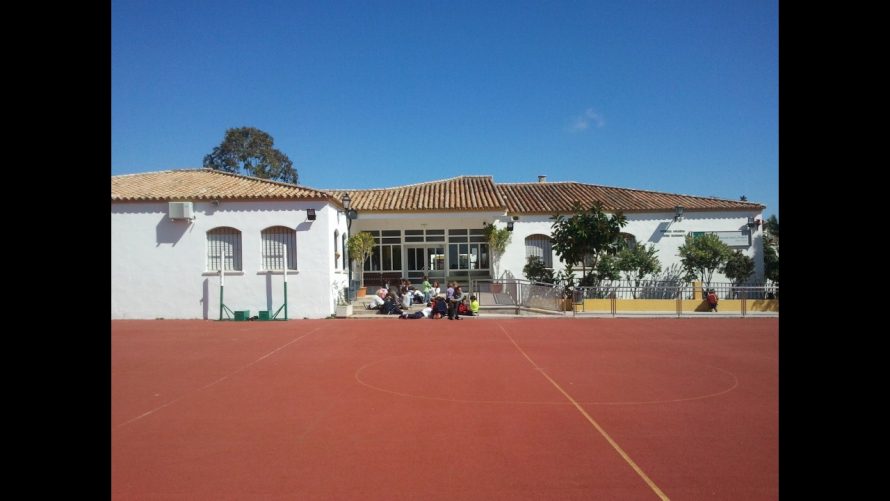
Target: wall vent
column 181, row 210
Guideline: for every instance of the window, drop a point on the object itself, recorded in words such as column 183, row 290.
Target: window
column 467, row 250
column 539, row 245
column 336, row 254
column 274, row 241
column 430, row 236
column 630, row 241
column 387, row 254
column 224, row 249
column 343, row 250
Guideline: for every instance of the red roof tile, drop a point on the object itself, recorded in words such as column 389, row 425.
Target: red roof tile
column 205, row 184
column 558, row 197
column 463, row 193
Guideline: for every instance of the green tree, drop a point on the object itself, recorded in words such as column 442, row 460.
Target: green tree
column 638, row 262
column 771, row 227
column 770, row 262
column 567, row 279
column 361, row 247
column 249, row 150
column 738, row 267
column 498, row 239
column 702, row 255
column 587, row 235
column 536, row 271
column 771, row 248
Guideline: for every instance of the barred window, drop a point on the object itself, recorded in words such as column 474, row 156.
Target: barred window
column 336, row 254
column 540, row 246
column 224, row 249
column 343, row 250
column 274, row 240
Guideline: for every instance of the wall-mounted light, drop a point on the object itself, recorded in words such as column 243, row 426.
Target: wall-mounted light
column 678, row 213
column 516, row 218
column 753, row 223
column 310, row 214
column 509, row 225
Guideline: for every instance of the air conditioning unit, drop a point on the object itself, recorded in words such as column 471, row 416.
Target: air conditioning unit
column 181, row 210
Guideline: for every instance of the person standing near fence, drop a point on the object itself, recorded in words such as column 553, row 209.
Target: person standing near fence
column 712, row 300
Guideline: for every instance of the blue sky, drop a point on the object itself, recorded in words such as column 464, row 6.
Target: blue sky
column 678, row 96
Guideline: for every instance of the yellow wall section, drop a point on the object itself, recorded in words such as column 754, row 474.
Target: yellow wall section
column 670, row 305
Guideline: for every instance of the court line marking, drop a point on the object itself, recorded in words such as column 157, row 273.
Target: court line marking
column 592, row 421
column 358, row 373
column 227, row 376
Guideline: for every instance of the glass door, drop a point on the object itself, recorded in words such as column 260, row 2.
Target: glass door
column 426, row 260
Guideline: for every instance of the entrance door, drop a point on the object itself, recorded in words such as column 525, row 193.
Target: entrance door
column 426, row 260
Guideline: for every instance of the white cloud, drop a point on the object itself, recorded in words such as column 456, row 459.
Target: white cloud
column 584, row 121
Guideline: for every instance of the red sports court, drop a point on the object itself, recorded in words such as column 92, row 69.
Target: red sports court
column 536, row 408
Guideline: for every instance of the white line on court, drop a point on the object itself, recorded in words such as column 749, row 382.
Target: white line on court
column 593, row 422
column 227, row 376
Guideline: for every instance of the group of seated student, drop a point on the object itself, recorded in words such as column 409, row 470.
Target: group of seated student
column 396, row 299
column 453, row 306
column 401, row 296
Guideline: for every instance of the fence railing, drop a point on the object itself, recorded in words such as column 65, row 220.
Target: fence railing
column 520, row 294
column 671, row 299
column 652, row 289
column 626, row 297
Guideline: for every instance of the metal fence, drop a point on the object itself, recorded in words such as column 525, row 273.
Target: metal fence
column 520, row 295
column 625, row 297
column 652, row 289
column 684, row 299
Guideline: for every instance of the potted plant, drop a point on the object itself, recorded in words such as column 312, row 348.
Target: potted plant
column 498, row 239
column 361, row 246
column 344, row 309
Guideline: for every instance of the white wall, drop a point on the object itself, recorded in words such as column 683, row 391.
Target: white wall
column 649, row 228
column 158, row 266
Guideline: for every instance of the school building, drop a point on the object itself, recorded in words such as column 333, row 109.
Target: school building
column 172, row 231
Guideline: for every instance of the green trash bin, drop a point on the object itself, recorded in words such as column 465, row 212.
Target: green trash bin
column 264, row 315
column 242, row 315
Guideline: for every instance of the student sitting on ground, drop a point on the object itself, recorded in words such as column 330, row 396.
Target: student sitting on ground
column 424, row 313
column 474, row 306
column 440, row 308
column 376, row 302
column 390, row 306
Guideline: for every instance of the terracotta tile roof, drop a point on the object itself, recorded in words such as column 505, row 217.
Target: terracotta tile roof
column 462, row 193
column 557, row 197
column 205, row 184
column 457, row 194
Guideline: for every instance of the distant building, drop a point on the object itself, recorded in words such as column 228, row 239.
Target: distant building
column 166, row 257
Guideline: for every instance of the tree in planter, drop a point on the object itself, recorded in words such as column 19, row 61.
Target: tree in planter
column 536, row 271
column 638, row 262
column 587, row 235
column 702, row 255
column 361, row 247
column 738, row 267
column 498, row 239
